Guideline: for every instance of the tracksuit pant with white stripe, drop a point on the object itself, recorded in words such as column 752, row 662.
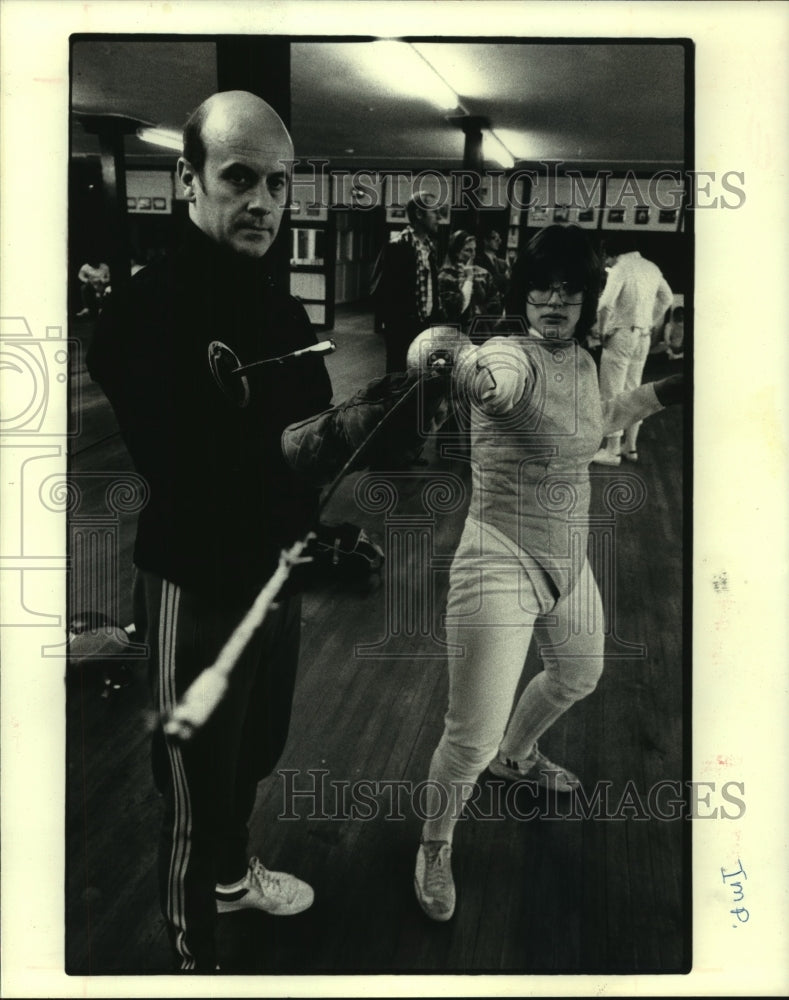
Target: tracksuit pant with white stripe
column 209, row 783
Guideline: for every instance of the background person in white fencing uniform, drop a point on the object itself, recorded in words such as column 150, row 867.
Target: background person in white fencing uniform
column 536, row 418
column 634, row 300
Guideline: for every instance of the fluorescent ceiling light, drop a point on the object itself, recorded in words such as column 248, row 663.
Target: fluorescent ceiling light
column 495, row 150
column 462, row 68
column 525, row 144
column 410, row 74
column 161, row 137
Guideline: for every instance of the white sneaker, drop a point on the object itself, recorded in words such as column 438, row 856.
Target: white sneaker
column 433, row 882
column 606, row 457
column 273, row 892
column 536, row 767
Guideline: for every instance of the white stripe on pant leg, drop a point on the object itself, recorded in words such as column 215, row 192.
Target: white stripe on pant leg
column 182, row 819
column 167, row 628
column 182, row 815
column 182, row 825
column 182, row 832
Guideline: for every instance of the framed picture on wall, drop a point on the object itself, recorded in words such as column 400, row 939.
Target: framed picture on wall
column 647, row 205
column 538, row 216
column 396, row 214
column 149, row 191
column 310, row 198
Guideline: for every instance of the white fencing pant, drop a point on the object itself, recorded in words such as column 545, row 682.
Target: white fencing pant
column 621, row 368
column 492, row 613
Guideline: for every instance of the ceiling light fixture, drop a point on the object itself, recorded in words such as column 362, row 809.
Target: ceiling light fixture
column 443, row 95
column 168, row 138
column 414, row 74
column 497, row 151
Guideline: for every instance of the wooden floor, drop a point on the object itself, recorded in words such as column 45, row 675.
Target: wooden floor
column 540, row 895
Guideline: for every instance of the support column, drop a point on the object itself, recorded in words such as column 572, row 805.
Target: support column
column 467, row 213
column 111, row 130
column 261, row 66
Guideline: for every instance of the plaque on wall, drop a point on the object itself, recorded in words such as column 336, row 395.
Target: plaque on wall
column 149, row 191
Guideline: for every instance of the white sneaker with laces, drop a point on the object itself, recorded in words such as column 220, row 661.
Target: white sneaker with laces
column 273, row 892
column 433, row 882
column 606, row 457
column 535, row 767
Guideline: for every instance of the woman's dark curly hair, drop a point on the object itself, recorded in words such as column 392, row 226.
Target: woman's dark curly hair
column 557, row 253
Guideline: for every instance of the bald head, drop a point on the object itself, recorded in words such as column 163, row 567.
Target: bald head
column 229, row 112
column 235, row 169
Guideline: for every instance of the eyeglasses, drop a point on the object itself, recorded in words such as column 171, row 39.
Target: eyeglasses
column 542, row 296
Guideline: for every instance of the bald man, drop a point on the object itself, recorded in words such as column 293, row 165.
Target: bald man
column 222, row 504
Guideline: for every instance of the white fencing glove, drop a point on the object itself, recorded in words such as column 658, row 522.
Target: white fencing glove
column 494, row 376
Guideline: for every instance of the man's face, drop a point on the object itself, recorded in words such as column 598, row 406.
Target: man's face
column 429, row 218
column 493, row 241
column 239, row 196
